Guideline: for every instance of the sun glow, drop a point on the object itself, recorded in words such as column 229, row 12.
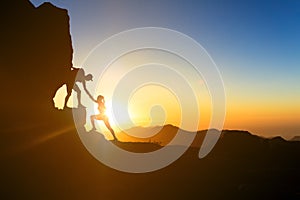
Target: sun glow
column 154, row 105
column 139, row 91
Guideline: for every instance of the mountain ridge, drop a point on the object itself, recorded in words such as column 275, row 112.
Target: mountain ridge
column 164, row 134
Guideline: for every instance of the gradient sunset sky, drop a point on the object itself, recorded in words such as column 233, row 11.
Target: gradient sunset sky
column 255, row 44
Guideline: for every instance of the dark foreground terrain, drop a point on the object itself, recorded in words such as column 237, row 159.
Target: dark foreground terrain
column 241, row 166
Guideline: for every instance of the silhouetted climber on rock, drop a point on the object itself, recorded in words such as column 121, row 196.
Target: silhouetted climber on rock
column 101, row 116
column 76, row 75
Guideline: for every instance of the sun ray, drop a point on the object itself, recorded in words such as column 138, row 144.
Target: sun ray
column 38, row 141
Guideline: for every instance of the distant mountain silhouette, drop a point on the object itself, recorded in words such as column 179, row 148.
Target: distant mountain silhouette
column 159, row 134
column 42, row 156
column 296, row 138
column 162, row 135
column 230, row 140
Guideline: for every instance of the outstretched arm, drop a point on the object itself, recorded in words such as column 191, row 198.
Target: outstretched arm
column 88, row 93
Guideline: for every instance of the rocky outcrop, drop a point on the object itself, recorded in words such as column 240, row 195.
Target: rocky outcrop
column 36, row 52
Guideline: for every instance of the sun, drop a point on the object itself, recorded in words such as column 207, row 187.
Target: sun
column 109, row 113
column 120, row 120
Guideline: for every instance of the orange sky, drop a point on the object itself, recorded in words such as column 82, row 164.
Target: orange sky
column 153, row 104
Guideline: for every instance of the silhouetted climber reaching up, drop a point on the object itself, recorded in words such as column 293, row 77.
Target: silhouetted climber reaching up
column 78, row 75
column 101, row 116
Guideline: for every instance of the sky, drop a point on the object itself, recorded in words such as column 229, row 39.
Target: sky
column 255, row 45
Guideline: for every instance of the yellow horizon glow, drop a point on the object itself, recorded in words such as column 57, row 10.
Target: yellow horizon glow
column 246, row 109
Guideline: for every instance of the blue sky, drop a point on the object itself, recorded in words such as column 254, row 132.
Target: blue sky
column 255, row 44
